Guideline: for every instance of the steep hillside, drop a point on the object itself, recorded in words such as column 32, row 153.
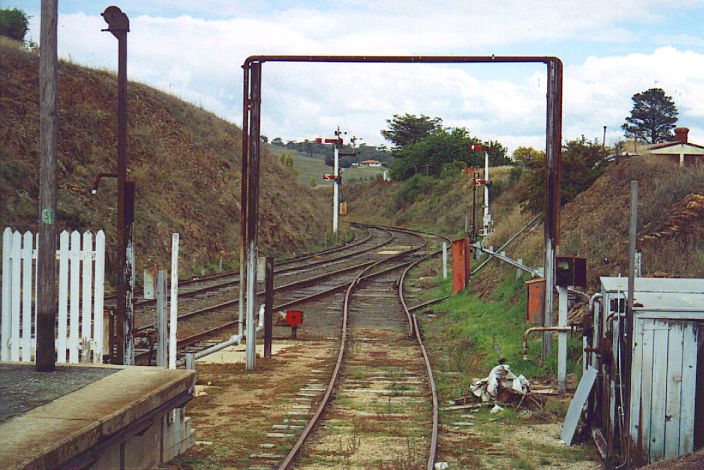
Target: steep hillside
column 594, row 225
column 185, row 162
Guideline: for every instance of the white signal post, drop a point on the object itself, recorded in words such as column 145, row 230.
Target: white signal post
column 336, row 188
column 486, row 182
column 335, row 177
column 487, row 215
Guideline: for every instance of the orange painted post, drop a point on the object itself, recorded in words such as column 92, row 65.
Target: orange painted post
column 460, row 264
column 467, row 257
column 536, row 295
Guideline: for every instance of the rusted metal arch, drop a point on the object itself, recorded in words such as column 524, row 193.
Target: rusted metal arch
column 251, row 118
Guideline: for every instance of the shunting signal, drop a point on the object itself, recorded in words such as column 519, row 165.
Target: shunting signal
column 480, row 147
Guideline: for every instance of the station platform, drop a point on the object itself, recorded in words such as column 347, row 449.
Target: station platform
column 92, row 416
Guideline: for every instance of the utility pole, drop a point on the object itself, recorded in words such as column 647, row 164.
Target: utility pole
column 119, row 26
column 48, row 143
column 253, row 209
column 603, row 140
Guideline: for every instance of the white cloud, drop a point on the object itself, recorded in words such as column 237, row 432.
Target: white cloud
column 199, row 59
column 598, row 92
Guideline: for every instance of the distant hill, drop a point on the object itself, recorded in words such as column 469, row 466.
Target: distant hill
column 310, row 170
column 185, row 162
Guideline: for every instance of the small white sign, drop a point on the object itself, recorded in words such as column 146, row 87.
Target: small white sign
column 150, row 283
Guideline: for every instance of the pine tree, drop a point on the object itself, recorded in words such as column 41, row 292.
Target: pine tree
column 652, row 118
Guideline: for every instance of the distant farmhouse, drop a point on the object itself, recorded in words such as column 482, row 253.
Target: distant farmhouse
column 376, row 163
column 679, row 150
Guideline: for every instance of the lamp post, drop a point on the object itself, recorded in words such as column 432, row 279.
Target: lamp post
column 119, row 26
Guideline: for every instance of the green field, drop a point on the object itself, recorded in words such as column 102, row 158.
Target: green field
column 311, row 169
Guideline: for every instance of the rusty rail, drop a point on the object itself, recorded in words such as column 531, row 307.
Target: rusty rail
column 413, row 327
column 308, row 430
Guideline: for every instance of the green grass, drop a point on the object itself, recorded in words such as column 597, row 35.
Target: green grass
column 312, row 169
column 476, row 332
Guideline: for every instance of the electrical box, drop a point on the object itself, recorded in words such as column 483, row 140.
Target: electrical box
column 536, row 300
column 570, row 271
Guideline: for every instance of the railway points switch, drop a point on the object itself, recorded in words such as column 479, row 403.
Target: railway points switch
column 292, row 319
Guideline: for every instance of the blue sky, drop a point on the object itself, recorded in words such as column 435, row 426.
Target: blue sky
column 611, row 50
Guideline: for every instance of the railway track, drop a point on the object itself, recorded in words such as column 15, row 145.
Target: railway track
column 213, row 309
column 205, row 284
column 378, row 406
column 365, row 396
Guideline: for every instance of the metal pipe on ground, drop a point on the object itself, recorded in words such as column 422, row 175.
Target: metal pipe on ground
column 190, row 358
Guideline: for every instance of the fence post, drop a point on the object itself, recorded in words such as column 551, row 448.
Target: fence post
column 15, row 323
column 444, row 260
column 562, row 340
column 173, row 320
column 26, row 254
column 74, row 298
column 6, row 303
column 268, row 305
column 98, row 313
column 190, row 361
column 161, row 345
column 63, row 297
column 87, row 304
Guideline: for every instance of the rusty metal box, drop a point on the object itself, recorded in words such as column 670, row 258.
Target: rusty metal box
column 536, row 299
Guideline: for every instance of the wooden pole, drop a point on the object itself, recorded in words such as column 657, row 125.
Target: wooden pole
column 48, row 141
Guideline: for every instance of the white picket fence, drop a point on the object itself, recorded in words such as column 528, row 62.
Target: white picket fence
column 79, row 332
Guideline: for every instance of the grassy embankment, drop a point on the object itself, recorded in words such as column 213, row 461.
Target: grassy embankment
column 184, row 160
column 468, row 332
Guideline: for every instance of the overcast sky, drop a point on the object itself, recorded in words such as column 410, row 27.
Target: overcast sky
column 611, row 49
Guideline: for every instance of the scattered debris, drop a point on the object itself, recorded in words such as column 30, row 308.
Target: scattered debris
column 496, row 409
column 441, row 466
column 500, row 385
